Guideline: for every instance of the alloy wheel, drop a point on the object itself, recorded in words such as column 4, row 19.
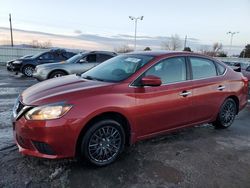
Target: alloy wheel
column 28, row 71
column 228, row 113
column 104, row 144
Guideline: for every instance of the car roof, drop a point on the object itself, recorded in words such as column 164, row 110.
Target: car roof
column 162, row 53
column 103, row 52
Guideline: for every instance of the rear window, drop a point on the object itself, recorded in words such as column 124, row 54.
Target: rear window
column 221, row 69
column 202, row 68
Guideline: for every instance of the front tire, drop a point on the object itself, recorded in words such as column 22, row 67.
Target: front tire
column 226, row 115
column 56, row 74
column 28, row 70
column 103, row 142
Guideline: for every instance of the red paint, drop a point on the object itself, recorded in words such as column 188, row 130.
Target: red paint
column 149, row 110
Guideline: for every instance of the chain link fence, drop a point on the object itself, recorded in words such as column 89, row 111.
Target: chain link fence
column 9, row 53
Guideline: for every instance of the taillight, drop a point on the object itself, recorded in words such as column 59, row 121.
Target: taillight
column 245, row 80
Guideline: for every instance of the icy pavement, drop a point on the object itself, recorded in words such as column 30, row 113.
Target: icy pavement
column 196, row 157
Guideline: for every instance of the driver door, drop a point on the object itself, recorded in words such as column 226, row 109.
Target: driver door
column 46, row 58
column 167, row 106
column 84, row 64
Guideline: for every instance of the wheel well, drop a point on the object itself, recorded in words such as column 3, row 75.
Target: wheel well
column 107, row 115
column 236, row 101
column 56, row 71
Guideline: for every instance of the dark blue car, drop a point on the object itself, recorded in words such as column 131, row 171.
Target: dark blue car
column 27, row 65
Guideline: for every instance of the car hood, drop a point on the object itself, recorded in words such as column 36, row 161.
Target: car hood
column 51, row 65
column 21, row 59
column 58, row 89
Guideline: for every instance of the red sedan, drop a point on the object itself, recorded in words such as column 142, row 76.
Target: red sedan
column 128, row 98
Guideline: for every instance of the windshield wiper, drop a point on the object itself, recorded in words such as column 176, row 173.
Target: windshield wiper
column 93, row 78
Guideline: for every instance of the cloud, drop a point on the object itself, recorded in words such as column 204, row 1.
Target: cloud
column 92, row 41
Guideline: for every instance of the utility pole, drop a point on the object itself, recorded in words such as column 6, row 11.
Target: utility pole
column 231, row 38
column 135, row 19
column 11, row 34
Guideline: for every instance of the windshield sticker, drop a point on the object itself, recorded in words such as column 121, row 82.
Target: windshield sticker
column 132, row 59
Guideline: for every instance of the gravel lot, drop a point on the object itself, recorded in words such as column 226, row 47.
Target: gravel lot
column 196, row 157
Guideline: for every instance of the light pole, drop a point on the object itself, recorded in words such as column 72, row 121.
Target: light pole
column 135, row 19
column 231, row 38
column 11, row 34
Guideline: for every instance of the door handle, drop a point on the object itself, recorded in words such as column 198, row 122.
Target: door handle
column 185, row 93
column 220, row 88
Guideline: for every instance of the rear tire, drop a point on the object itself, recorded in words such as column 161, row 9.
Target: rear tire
column 226, row 116
column 56, row 74
column 103, row 143
column 28, row 70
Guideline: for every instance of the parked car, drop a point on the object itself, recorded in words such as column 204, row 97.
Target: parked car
column 9, row 65
column 27, row 65
column 242, row 67
column 125, row 99
column 76, row 64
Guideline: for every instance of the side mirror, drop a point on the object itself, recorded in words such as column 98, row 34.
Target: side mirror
column 40, row 58
column 83, row 61
column 151, row 80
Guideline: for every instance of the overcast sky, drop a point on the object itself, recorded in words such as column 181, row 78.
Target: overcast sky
column 208, row 21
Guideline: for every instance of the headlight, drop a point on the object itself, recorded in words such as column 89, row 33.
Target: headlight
column 42, row 71
column 17, row 62
column 48, row 112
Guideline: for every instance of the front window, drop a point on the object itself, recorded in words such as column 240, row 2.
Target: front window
column 169, row 70
column 91, row 58
column 46, row 56
column 74, row 59
column 118, row 68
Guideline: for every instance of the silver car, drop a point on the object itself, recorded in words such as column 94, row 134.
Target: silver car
column 76, row 64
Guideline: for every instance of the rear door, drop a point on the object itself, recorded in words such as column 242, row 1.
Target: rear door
column 166, row 106
column 209, row 88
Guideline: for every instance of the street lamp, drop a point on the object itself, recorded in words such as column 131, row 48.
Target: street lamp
column 135, row 19
column 231, row 38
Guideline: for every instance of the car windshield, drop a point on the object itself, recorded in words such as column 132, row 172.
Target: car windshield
column 117, row 68
column 75, row 58
column 37, row 55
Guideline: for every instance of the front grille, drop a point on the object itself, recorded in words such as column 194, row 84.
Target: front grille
column 19, row 107
column 43, row 148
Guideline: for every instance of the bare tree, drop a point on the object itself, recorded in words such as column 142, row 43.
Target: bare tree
column 37, row 44
column 174, row 43
column 123, row 49
column 217, row 47
column 216, row 50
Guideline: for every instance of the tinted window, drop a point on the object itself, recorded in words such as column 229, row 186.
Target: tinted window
column 68, row 55
column 46, row 56
column 91, row 58
column 170, row 70
column 58, row 56
column 103, row 57
column 202, row 68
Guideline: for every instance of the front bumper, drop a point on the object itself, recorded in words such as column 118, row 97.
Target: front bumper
column 13, row 67
column 40, row 76
column 46, row 139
